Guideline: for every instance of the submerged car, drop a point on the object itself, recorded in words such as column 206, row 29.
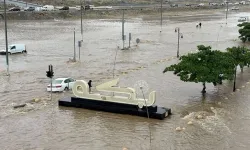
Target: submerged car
column 61, row 84
column 174, row 5
column 235, row 8
column 243, row 19
column 64, row 8
column 29, row 9
column 15, row 48
column 15, row 9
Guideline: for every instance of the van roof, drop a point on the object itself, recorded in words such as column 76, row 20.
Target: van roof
column 17, row 44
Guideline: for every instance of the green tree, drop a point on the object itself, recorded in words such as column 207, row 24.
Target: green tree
column 205, row 66
column 240, row 55
column 244, row 31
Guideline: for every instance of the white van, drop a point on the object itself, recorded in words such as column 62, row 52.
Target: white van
column 15, row 48
column 38, row 8
column 48, row 8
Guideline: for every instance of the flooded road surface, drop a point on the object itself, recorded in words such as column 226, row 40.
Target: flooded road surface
column 44, row 125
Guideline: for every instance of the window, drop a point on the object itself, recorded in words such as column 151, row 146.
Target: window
column 66, row 81
column 13, row 47
column 57, row 82
column 71, row 80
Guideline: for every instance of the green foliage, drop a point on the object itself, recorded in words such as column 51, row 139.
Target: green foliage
column 240, row 55
column 244, row 31
column 204, row 66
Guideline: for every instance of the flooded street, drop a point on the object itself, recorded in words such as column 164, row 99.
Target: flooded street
column 44, row 125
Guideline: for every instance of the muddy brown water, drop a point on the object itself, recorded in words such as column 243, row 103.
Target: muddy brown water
column 44, row 125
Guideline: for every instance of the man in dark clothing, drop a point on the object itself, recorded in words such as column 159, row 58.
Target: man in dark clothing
column 90, row 85
column 200, row 24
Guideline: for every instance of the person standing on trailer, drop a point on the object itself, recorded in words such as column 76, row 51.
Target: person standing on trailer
column 90, row 85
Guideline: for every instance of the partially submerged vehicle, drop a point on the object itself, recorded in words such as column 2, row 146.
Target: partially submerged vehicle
column 15, row 9
column 116, row 103
column 235, row 8
column 15, row 48
column 29, row 9
column 64, row 8
column 243, row 19
column 61, row 84
column 48, row 8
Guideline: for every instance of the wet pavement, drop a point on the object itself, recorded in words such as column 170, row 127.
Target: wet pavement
column 44, row 125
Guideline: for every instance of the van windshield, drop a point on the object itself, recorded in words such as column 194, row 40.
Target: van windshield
column 12, row 47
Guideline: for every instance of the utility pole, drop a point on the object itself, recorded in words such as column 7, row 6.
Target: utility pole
column 226, row 11
column 161, row 15
column 178, row 47
column 74, row 59
column 123, row 37
column 79, row 45
column 114, row 64
column 130, row 38
column 235, row 78
column 81, row 20
column 84, row 4
column 6, row 39
column 50, row 74
column 235, row 72
column 179, row 35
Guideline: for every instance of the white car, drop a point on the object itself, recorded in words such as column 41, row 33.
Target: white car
column 243, row 19
column 48, row 8
column 201, row 4
column 61, row 84
column 235, row 8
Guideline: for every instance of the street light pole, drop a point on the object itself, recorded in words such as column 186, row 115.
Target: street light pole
column 226, row 12
column 74, row 59
column 161, row 15
column 179, row 35
column 6, row 39
column 81, row 21
column 178, row 47
column 123, row 38
column 235, row 78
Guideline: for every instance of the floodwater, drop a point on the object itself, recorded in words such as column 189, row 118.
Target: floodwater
column 43, row 125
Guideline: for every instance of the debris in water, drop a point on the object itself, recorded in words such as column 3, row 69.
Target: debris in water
column 219, row 103
column 183, row 128
column 18, row 106
column 36, row 100
column 238, row 89
column 178, row 129
column 124, row 72
column 212, row 108
column 199, row 117
column 190, row 123
column 225, row 98
column 243, row 86
column 124, row 148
